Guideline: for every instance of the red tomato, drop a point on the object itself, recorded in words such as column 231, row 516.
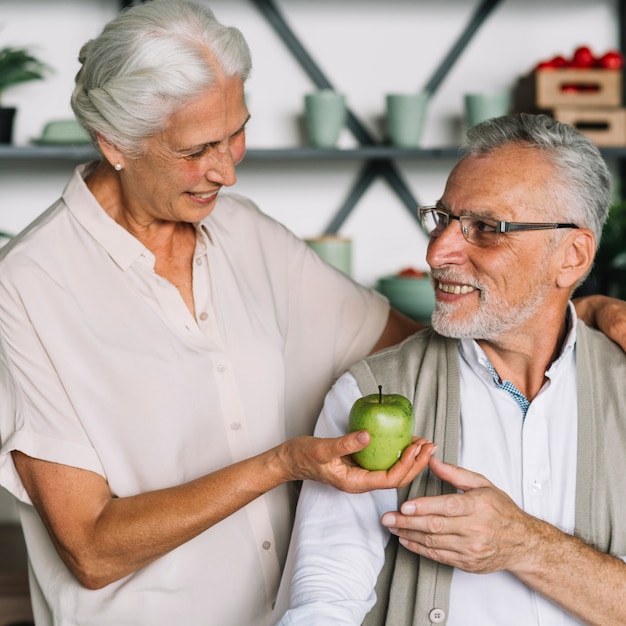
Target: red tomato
column 410, row 272
column 555, row 63
column 559, row 62
column 583, row 58
column 544, row 65
column 611, row 60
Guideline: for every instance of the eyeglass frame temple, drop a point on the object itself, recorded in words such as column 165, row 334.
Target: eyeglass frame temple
column 502, row 227
column 507, row 227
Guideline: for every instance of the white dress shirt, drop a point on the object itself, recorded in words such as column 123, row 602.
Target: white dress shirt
column 338, row 541
column 104, row 368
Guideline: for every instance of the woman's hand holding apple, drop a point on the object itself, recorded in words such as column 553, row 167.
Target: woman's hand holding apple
column 328, row 460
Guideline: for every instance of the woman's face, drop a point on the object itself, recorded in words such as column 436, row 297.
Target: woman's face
column 183, row 168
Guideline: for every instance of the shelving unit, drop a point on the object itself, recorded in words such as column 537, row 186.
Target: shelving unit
column 378, row 159
column 379, row 152
column 72, row 153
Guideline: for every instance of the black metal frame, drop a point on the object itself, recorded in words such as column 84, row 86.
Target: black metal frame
column 375, row 167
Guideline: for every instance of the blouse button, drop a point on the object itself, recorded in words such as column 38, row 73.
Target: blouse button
column 203, row 315
column 267, row 545
column 437, row 616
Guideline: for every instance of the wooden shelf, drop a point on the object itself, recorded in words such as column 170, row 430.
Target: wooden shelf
column 47, row 153
column 362, row 153
column 304, row 153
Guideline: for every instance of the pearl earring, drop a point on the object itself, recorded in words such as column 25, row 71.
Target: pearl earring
column 118, row 167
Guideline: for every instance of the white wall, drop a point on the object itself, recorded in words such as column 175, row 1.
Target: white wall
column 366, row 48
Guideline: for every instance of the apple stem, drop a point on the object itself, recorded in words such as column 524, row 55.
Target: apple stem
column 380, row 394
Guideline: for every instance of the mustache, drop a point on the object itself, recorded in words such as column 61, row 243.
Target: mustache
column 452, row 276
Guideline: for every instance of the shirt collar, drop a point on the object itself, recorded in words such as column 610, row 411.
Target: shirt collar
column 570, row 339
column 121, row 246
column 205, row 231
column 475, row 357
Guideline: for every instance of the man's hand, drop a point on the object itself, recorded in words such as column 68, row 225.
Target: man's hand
column 480, row 530
column 605, row 314
column 329, row 461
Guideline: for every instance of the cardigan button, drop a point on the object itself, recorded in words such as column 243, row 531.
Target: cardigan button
column 437, row 616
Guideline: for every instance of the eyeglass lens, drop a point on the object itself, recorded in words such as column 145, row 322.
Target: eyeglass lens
column 479, row 231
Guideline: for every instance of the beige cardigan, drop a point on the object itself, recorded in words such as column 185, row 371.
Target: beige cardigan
column 425, row 368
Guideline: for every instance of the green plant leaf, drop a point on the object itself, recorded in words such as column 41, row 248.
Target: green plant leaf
column 18, row 65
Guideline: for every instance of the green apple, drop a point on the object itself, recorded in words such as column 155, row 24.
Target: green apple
column 390, row 421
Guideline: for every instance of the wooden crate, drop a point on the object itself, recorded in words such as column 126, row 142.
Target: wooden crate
column 549, row 89
column 605, row 127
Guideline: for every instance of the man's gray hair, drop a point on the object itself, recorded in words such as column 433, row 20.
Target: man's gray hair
column 581, row 192
column 149, row 61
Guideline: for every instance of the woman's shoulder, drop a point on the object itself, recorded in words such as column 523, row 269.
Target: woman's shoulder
column 34, row 238
column 240, row 214
column 235, row 203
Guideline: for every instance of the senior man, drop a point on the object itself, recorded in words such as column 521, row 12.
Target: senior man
column 521, row 516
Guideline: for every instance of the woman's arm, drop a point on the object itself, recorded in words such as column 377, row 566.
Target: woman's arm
column 605, row 314
column 398, row 327
column 102, row 538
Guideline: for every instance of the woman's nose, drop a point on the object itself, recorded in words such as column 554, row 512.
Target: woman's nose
column 222, row 168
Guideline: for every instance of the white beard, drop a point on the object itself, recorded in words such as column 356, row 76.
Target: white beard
column 495, row 316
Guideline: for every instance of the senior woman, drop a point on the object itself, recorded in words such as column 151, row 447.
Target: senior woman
column 159, row 342
column 165, row 349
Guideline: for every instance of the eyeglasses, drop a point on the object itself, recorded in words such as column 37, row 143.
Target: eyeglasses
column 480, row 231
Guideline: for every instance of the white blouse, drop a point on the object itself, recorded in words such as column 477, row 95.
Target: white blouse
column 103, row 367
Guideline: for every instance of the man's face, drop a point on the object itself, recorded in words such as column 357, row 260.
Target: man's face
column 484, row 292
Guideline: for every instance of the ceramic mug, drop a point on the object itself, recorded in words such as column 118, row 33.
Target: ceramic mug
column 335, row 250
column 483, row 106
column 405, row 114
column 325, row 116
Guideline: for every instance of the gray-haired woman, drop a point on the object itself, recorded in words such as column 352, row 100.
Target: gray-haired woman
column 165, row 348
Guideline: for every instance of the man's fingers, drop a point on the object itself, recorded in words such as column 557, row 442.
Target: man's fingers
column 457, row 476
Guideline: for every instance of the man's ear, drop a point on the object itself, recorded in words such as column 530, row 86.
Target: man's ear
column 578, row 250
column 110, row 152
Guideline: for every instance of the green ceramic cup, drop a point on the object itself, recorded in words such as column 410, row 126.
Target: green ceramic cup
column 483, row 106
column 405, row 114
column 335, row 250
column 325, row 116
